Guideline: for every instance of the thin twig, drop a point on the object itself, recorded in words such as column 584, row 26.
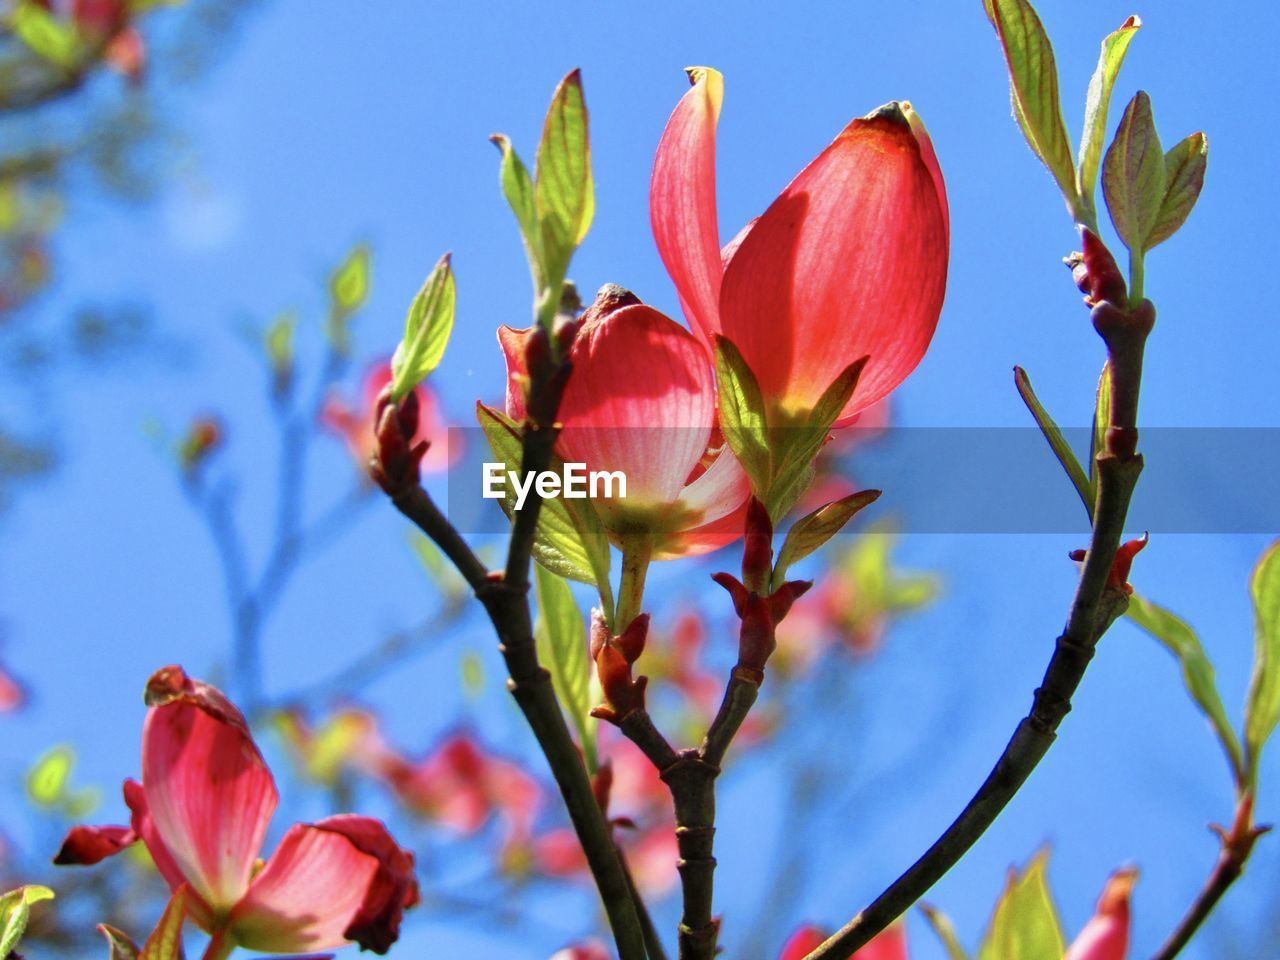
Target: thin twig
column 1096, row 605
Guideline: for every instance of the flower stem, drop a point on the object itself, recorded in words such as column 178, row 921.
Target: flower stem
column 636, row 553
column 219, row 948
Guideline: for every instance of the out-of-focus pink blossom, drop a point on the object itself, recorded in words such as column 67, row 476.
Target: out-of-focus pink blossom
column 1106, row 936
column 460, row 785
column 202, row 810
column 594, row 950
column 354, row 424
column 890, row 945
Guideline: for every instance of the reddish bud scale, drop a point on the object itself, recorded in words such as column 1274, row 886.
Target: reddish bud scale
column 757, row 547
column 1102, row 280
column 613, row 657
column 760, row 616
column 397, row 459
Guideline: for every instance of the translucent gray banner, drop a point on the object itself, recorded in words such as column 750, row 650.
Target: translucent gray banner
column 983, row 480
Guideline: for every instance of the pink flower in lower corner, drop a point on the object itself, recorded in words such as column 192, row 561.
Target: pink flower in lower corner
column 890, row 945
column 641, row 400
column 202, row 810
column 355, row 424
column 1106, row 936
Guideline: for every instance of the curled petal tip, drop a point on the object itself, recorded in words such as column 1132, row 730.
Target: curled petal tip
column 895, row 111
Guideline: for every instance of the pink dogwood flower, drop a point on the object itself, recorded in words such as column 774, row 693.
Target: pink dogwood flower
column 355, row 424
column 642, row 400
column 890, row 945
column 849, row 261
column 1106, row 935
column 202, row 811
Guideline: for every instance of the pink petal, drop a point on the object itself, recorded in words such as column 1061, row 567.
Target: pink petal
column 85, row 846
column 208, row 790
column 640, row 400
column 512, row 342
column 197, row 909
column 340, row 880
column 1106, row 936
column 890, row 945
column 714, row 507
column 851, row 260
column 801, row 943
column 682, row 201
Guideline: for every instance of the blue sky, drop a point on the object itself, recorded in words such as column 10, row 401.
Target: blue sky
column 323, row 127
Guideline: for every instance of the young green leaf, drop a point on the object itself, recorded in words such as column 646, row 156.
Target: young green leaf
column 517, row 187
column 426, row 331
column 1133, row 175
column 558, row 544
column 1101, row 422
column 46, row 35
column 165, row 942
column 814, row 530
column 563, row 193
column 1025, row 924
column 742, row 414
column 349, row 284
column 1184, row 167
column 1262, row 709
column 945, row 931
column 1197, row 671
column 1097, row 104
column 15, row 911
column 794, row 448
column 562, row 648
column 1057, row 442
column 119, row 943
column 47, row 780
column 1033, row 83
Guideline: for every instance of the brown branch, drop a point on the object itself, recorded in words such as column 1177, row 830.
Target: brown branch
column 1098, row 601
column 1237, row 846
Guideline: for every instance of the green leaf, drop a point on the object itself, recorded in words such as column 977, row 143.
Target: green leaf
column 796, row 447
column 742, row 414
column 1101, row 422
column 349, row 284
column 426, row 331
column 518, row 188
column 165, row 942
column 560, row 543
column 1033, row 81
column 1057, row 442
column 47, row 780
column 945, row 931
column 1133, row 175
column 1184, row 168
column 15, row 911
column 811, row 532
column 278, row 340
column 563, row 193
column 1197, row 671
column 55, row 40
column 1262, row 709
column 562, row 648
column 1025, row 924
column 120, row 944
column 1097, row 104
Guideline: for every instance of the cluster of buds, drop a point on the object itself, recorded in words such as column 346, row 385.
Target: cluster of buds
column 758, row 607
column 397, row 455
column 614, row 656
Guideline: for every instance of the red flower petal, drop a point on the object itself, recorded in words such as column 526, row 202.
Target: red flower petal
column 340, row 880
column 85, row 846
column 144, row 827
column 850, row 260
column 682, row 201
column 1106, row 936
column 803, row 942
column 641, row 400
column 208, row 790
